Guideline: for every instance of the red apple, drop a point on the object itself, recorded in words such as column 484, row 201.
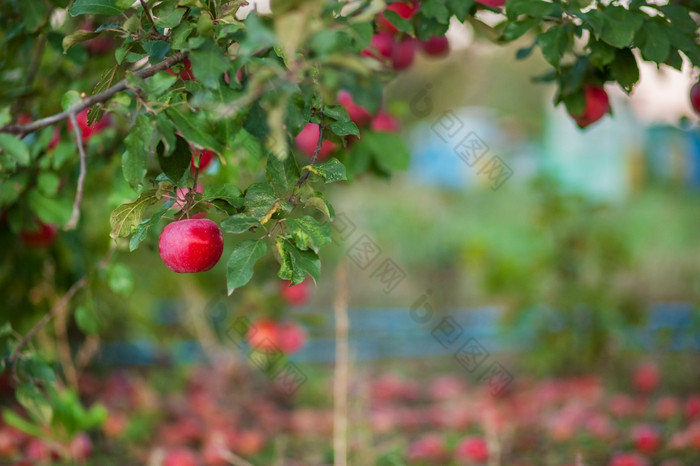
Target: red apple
column 181, row 457
column 472, row 449
column 37, row 450
column 597, row 105
column 205, row 158
column 55, row 139
column 262, row 332
column 80, row 447
column 358, row 114
column 429, row 447
column 404, row 10
column 186, row 74
column 44, row 235
column 180, row 199
column 189, row 246
column 307, row 140
column 646, row 378
column 695, row 97
column 692, row 407
column 24, row 119
column 386, row 123
column 85, row 130
column 436, row 46
column 403, row 53
column 646, row 438
column 382, row 45
column 290, row 337
column 628, row 459
column 295, row 295
column 492, row 3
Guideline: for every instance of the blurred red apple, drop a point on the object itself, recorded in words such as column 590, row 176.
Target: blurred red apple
column 436, row 46
column 205, row 158
column 472, row 449
column 382, row 45
column 692, row 407
column 190, row 246
column 597, row 105
column 307, row 140
column 295, row 295
column 429, row 447
column 290, row 337
column 386, row 123
column 37, row 450
column 628, row 459
column 44, row 235
column 86, row 130
column 646, row 378
column 358, row 114
column 492, row 3
column 180, row 457
column 403, row 53
column 80, row 447
column 646, row 438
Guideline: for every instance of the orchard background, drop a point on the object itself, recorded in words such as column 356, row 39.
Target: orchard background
column 349, row 232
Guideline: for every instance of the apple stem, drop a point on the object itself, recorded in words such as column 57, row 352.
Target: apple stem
column 75, row 216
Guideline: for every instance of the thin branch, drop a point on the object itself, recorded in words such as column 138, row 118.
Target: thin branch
column 341, row 375
column 63, row 302
column 314, row 157
column 155, row 33
column 75, row 216
column 23, row 130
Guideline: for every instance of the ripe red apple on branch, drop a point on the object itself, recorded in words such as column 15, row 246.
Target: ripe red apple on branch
column 437, row 46
column 307, row 140
column 295, row 295
column 404, row 9
column 385, row 122
column 43, row 235
column 597, row 105
column 358, row 114
column 205, row 157
column 190, row 246
column 88, row 130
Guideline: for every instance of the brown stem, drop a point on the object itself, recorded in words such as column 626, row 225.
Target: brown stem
column 75, row 216
column 44, row 320
column 154, row 32
column 23, row 130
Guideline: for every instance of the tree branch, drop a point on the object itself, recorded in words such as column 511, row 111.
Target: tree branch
column 63, row 302
column 23, row 130
column 75, row 216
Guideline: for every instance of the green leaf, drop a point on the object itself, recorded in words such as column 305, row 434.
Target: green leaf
column 156, row 50
column 38, row 369
column 680, row 18
column 517, row 28
column 120, row 279
column 296, row 265
column 331, row 170
column 401, row 24
column 81, row 35
column 127, row 217
column 619, row 25
column 239, row 268
column 624, row 69
column 48, row 183
column 554, row 43
column 94, row 7
column 601, row 53
column 50, row 210
column 229, row 192
column 239, row 223
column 209, row 63
column 533, row 8
column 177, row 164
column 345, row 128
column 141, row 230
column 19, row 423
column 460, row 8
column 36, row 404
column 282, row 175
column 388, row 149
column 652, row 41
column 86, row 320
column 13, row 147
column 259, row 199
column 322, row 205
column 167, row 14
column 34, row 13
column 307, row 233
column 194, row 129
column 435, row 9
column 138, row 146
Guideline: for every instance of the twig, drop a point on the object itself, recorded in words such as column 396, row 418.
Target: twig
column 75, row 216
column 155, row 33
column 319, row 144
column 341, row 376
column 23, row 130
column 63, row 302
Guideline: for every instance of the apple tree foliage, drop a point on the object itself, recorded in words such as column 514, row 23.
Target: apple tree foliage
column 181, row 76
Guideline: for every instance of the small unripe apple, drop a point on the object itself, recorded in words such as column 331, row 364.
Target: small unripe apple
column 492, row 3
column 43, row 236
column 386, row 123
column 382, row 45
column 695, row 97
column 403, row 53
column 436, row 46
column 472, row 449
column 597, row 105
column 404, row 9
column 181, row 457
column 307, row 140
column 295, row 295
column 190, row 246
column 205, row 158
column 358, row 114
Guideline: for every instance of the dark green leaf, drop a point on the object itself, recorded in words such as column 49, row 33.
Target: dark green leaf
column 239, row 223
column 653, row 42
column 228, row 192
column 15, row 149
column 400, row 23
column 156, row 50
column 554, row 42
column 209, row 63
column 296, row 265
column 34, row 13
column 38, row 369
column 239, row 268
column 624, row 69
column 94, row 7
column 177, row 164
column 282, row 175
column 138, row 146
column 259, row 199
column 331, row 170
column 194, row 129
column 345, row 128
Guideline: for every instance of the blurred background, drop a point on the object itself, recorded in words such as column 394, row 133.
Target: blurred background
column 526, row 293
